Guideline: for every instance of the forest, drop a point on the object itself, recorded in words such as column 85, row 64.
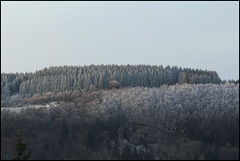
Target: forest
column 155, row 113
column 94, row 77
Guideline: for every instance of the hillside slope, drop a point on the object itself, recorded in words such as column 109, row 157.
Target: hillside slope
column 170, row 122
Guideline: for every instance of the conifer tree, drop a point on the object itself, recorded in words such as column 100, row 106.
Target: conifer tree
column 20, row 148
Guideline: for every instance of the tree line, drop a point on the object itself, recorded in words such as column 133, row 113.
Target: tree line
column 95, row 77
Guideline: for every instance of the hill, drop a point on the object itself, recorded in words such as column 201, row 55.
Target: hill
column 95, row 77
column 189, row 121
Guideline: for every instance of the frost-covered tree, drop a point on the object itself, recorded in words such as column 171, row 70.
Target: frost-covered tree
column 70, row 78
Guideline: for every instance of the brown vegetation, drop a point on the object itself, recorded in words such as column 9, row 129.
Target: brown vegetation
column 114, row 85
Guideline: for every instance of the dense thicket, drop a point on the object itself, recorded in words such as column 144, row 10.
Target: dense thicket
column 89, row 78
column 203, row 108
column 133, row 123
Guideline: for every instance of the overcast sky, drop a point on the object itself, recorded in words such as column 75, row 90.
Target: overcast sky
column 203, row 35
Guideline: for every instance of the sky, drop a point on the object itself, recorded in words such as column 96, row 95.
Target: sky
column 203, row 35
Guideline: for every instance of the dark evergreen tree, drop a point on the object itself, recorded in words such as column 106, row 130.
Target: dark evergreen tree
column 20, row 148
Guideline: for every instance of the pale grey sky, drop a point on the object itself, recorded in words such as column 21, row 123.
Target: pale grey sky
column 203, row 35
